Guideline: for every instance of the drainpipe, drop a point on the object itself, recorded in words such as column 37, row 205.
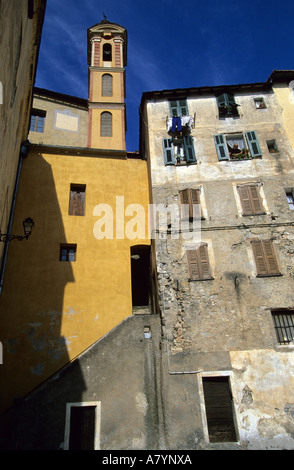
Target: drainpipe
column 24, row 150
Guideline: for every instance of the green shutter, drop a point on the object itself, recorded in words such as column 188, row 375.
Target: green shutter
column 222, row 100
column 178, row 108
column 183, row 108
column 227, row 105
column 189, row 149
column 253, row 144
column 173, row 108
column 168, row 151
column 221, row 147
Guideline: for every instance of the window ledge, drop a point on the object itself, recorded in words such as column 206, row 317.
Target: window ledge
column 197, row 280
column 254, row 215
column 269, row 275
column 181, row 164
column 245, row 158
column 286, row 347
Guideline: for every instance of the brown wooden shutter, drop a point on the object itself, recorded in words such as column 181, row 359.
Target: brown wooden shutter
column 193, row 264
column 198, row 262
column 250, row 200
column 77, row 200
column 204, row 262
column 270, row 257
column 190, row 197
column 256, row 200
column 265, row 258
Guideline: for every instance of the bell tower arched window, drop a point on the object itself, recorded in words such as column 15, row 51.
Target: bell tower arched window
column 106, row 124
column 107, row 52
column 106, row 84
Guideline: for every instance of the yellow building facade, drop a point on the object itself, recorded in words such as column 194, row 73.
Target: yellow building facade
column 73, row 280
column 283, row 86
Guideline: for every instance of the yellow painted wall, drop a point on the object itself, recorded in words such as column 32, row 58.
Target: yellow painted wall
column 285, row 97
column 117, row 86
column 117, row 140
column 51, row 311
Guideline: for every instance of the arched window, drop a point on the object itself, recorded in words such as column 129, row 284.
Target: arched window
column 106, row 84
column 107, row 52
column 106, row 124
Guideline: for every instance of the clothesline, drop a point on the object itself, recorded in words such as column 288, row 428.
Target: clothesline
column 177, row 123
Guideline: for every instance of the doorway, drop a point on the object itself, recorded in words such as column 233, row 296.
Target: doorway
column 140, row 273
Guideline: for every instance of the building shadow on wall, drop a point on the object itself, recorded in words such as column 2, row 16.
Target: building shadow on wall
column 31, row 308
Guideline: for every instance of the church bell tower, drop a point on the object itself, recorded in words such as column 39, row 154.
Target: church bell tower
column 107, row 58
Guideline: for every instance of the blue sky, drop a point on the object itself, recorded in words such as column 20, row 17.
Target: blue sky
column 171, row 44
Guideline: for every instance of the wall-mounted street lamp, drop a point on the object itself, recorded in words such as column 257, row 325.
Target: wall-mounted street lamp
column 28, row 224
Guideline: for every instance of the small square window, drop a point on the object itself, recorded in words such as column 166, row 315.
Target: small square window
column 37, row 120
column 259, row 103
column 284, row 325
column 290, row 198
column 272, row 146
column 68, row 252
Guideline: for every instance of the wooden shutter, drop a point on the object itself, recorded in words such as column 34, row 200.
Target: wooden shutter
column 107, row 85
column 77, row 199
column 168, row 151
column 174, row 108
column 106, row 124
column 265, row 258
column 219, row 409
column 183, row 107
column 221, row 147
column 253, row 144
column 178, row 108
column 189, row 149
column 189, row 197
column 198, row 262
column 227, row 105
column 250, row 200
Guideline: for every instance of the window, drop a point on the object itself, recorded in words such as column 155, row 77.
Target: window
column 272, row 146
column 250, row 199
column 106, row 84
column 198, row 263
column 178, row 108
column 68, row 252
column 37, row 120
column 179, row 151
column 77, row 199
column 284, row 325
column 227, row 106
column 219, row 409
column 290, row 198
column 265, row 258
column 106, row 124
column 237, row 146
column 190, row 198
column 180, row 122
column 259, row 103
column 82, row 426
column 107, row 52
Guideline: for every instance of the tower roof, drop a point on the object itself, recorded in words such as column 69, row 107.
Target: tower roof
column 107, row 26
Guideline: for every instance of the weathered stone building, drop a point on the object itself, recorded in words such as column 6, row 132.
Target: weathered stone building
column 226, row 291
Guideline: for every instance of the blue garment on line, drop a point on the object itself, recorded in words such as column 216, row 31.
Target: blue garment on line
column 176, row 124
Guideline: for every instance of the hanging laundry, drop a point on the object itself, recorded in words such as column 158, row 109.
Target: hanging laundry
column 176, row 124
column 187, row 121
